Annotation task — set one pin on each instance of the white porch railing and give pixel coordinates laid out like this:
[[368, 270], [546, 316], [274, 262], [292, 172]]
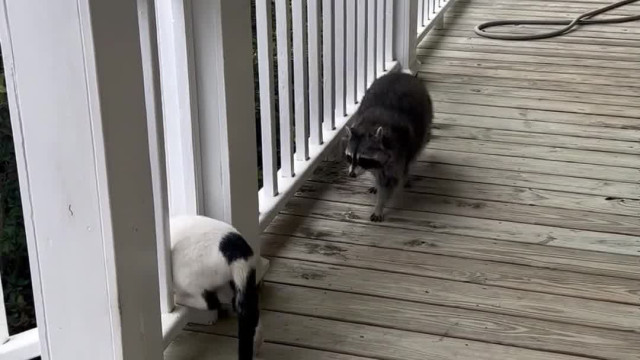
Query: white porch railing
[[194, 80]]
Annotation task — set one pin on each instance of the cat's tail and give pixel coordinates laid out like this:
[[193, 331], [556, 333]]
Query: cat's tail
[[247, 306]]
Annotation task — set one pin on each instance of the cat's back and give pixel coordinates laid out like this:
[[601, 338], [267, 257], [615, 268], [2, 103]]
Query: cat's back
[[200, 249], [194, 227], [196, 243]]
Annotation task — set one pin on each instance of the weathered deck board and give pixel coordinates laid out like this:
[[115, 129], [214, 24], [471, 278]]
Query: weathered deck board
[[525, 63], [537, 256], [476, 83], [423, 207], [550, 116], [529, 196], [520, 235], [452, 322], [529, 165], [578, 65], [549, 105], [451, 268], [382, 343], [198, 346], [554, 153], [482, 129], [470, 226]]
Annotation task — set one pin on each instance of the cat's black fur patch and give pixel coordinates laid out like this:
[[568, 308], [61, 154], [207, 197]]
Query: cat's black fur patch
[[211, 298], [233, 247], [248, 316], [232, 284]]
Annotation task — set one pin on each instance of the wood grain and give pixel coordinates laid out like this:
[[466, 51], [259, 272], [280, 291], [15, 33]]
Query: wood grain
[[511, 112], [479, 209], [550, 105], [542, 152], [580, 83], [451, 268], [543, 90], [526, 165], [380, 343], [451, 322], [460, 225], [198, 346], [521, 136], [624, 139], [389, 237], [456, 294], [566, 65], [499, 48], [530, 63], [608, 190], [333, 173]]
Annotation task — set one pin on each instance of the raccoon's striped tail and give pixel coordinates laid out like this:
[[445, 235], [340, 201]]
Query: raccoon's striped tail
[[248, 313]]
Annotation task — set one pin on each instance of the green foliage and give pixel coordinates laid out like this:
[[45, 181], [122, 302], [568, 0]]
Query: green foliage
[[14, 260]]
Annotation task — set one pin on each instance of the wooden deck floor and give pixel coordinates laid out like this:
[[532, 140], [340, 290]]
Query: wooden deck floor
[[520, 238]]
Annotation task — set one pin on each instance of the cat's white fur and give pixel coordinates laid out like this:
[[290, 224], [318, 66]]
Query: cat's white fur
[[199, 265]]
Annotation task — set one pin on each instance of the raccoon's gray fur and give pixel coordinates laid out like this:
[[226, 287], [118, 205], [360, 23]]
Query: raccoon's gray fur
[[390, 128]]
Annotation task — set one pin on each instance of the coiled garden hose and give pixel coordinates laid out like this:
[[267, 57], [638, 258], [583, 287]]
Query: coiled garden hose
[[570, 25]]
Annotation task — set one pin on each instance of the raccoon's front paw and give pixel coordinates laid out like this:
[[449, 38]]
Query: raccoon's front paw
[[373, 190], [376, 217]]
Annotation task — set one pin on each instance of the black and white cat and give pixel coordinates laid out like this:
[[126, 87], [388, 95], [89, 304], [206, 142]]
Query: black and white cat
[[214, 266]]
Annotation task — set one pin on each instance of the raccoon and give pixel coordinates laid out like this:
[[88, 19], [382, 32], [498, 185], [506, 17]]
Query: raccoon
[[390, 128]]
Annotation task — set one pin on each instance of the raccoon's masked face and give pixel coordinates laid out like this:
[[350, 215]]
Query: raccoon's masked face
[[365, 151]]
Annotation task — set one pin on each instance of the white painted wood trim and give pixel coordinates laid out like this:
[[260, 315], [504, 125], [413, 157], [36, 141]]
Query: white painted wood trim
[[300, 81], [351, 55], [223, 66], [328, 63], [389, 25], [173, 323], [405, 34], [361, 44], [436, 21], [284, 88], [85, 178], [267, 99], [340, 42], [155, 123], [23, 346], [178, 85], [315, 71], [371, 41], [380, 35]]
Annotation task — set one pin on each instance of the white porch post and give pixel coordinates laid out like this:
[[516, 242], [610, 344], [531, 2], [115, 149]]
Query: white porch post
[[405, 34], [77, 104], [226, 112]]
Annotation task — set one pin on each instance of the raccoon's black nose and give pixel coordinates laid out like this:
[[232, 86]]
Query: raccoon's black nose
[[352, 174]]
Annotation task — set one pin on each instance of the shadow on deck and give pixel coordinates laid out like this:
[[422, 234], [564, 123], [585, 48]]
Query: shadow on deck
[[520, 237]]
